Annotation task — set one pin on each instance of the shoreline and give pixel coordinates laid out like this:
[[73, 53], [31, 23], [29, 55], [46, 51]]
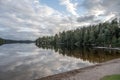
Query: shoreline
[[109, 48], [88, 73]]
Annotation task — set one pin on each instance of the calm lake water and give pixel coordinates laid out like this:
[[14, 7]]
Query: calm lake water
[[28, 62]]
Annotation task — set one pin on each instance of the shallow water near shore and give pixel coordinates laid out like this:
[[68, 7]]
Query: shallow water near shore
[[28, 62]]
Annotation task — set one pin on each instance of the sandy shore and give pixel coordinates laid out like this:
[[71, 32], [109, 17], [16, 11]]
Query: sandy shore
[[108, 48], [89, 73]]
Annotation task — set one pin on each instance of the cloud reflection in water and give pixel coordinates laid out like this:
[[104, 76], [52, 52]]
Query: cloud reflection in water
[[27, 62]]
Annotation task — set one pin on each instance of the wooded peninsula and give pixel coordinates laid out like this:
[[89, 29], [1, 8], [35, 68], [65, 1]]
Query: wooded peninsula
[[103, 34]]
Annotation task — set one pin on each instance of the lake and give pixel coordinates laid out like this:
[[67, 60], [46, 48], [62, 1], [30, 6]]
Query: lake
[[29, 62]]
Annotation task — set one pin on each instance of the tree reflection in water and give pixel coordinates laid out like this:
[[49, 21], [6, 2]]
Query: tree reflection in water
[[86, 53]]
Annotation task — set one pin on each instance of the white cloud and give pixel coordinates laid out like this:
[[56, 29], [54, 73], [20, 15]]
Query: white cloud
[[71, 7], [100, 10], [29, 19]]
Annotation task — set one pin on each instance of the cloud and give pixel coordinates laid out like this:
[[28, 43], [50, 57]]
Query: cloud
[[30, 19], [102, 7], [86, 18], [71, 7], [99, 11]]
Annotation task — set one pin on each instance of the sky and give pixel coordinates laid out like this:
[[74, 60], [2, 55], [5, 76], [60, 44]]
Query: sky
[[30, 19]]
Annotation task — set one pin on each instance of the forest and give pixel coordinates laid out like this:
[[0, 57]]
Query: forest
[[8, 41], [2, 41], [102, 34]]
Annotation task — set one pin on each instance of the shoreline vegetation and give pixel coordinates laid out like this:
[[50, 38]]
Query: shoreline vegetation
[[111, 77], [7, 41], [105, 34], [2, 41]]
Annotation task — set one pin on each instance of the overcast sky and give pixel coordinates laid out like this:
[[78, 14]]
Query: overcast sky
[[30, 19]]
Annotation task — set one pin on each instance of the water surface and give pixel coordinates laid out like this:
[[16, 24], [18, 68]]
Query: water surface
[[28, 62]]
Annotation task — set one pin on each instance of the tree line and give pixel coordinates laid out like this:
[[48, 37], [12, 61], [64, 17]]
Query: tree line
[[102, 34], [8, 41], [2, 41]]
